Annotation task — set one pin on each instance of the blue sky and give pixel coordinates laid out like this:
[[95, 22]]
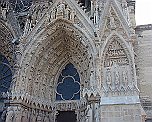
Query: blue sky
[[143, 12]]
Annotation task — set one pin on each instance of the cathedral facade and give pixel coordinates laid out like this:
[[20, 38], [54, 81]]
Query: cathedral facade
[[74, 61]]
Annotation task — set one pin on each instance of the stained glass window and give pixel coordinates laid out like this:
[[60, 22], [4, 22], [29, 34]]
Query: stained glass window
[[5, 74], [21, 5], [5, 80], [68, 87]]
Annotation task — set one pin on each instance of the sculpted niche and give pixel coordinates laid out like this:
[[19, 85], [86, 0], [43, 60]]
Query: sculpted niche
[[117, 67]]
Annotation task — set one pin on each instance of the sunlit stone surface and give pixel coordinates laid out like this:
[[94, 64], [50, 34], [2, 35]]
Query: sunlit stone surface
[[74, 61]]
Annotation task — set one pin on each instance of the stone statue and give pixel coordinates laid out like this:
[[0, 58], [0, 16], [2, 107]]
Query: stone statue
[[10, 115], [46, 119], [96, 113], [116, 74], [67, 13], [89, 114], [60, 9], [28, 25], [53, 13], [125, 77], [24, 116], [124, 8], [92, 78], [3, 116], [39, 118], [108, 77], [33, 117], [0, 11], [4, 12], [72, 15], [112, 22], [18, 113], [117, 78]]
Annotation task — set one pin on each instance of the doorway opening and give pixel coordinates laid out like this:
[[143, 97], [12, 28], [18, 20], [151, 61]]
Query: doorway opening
[[66, 116]]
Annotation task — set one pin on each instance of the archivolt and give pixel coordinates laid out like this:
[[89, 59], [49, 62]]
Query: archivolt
[[6, 36], [45, 57]]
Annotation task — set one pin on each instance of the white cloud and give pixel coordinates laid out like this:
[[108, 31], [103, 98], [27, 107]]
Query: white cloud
[[143, 12]]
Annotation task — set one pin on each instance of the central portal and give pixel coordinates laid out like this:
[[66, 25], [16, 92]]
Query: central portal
[[66, 116]]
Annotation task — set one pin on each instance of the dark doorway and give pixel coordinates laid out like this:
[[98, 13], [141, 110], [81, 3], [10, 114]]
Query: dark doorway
[[66, 116]]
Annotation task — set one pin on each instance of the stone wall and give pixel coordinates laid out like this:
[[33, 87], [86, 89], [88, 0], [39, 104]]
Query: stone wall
[[121, 113], [144, 65]]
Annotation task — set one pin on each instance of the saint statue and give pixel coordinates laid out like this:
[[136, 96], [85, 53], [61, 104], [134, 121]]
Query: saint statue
[[112, 22], [125, 77], [10, 115], [108, 78], [60, 9]]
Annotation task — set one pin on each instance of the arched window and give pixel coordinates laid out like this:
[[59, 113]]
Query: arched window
[[68, 86], [5, 74], [5, 81]]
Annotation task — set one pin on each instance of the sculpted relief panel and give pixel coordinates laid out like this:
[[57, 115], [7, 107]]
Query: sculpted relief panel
[[117, 69]]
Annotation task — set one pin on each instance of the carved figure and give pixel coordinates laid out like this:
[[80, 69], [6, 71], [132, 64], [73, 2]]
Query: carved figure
[[117, 77], [125, 77], [108, 77], [28, 25], [24, 116], [10, 115], [89, 114], [46, 119], [112, 22], [4, 12], [96, 113], [60, 9], [0, 11], [3, 116], [124, 8], [116, 74], [18, 114], [67, 13], [92, 78], [39, 118], [53, 13], [33, 116], [72, 16]]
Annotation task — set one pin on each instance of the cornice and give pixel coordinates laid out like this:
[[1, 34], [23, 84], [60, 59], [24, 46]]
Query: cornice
[[140, 28]]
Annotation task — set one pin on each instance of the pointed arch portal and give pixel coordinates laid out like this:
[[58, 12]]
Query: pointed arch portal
[[66, 116]]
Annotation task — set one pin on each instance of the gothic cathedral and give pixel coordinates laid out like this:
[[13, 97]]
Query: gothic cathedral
[[74, 61]]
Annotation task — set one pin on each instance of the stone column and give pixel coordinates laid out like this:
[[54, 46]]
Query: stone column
[[94, 105]]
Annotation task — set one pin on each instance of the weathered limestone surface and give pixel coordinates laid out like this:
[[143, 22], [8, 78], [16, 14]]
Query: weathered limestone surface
[[120, 113], [144, 63], [98, 38]]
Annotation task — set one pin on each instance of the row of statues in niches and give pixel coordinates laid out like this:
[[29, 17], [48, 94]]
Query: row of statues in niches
[[117, 77]]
